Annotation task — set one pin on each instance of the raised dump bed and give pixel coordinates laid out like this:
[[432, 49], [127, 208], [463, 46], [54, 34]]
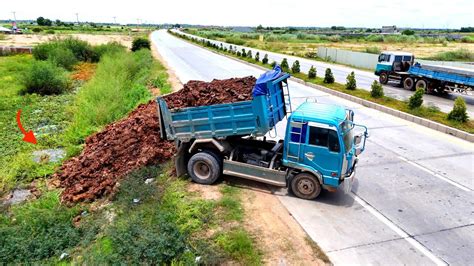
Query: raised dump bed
[[254, 117]]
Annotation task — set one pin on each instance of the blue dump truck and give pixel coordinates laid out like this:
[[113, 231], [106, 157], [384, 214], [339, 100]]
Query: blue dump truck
[[400, 67], [319, 150]]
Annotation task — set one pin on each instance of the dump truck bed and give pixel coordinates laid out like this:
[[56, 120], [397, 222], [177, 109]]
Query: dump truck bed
[[255, 117]]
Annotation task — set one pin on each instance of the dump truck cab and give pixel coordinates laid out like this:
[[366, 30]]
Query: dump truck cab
[[320, 140], [390, 63]]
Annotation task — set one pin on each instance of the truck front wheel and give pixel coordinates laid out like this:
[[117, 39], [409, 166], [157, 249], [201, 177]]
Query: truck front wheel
[[408, 83], [305, 186], [204, 168], [383, 78]]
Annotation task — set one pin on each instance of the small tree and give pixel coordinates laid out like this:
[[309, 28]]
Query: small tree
[[244, 54], [249, 54], [284, 65], [265, 59], [376, 90], [273, 64], [416, 100], [328, 77], [295, 68], [312, 72], [139, 43], [459, 112], [231, 47], [239, 53], [257, 57], [351, 81]]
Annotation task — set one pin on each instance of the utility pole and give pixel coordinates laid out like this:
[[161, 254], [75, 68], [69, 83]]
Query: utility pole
[[14, 27], [115, 20], [77, 18]]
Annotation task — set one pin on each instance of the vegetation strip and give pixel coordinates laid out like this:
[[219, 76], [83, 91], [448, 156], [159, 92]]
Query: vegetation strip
[[440, 119]]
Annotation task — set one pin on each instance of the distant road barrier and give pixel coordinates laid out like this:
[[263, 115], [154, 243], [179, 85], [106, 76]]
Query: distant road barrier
[[369, 61], [8, 50]]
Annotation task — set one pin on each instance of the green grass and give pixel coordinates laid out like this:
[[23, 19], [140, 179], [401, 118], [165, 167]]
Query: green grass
[[239, 245], [119, 85], [431, 113]]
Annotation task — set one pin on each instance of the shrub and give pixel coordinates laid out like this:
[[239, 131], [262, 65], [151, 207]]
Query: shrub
[[265, 59], [81, 49], [36, 30], [244, 54], [408, 32], [62, 57], [312, 73], [45, 78], [351, 81], [328, 76], [373, 50], [416, 100], [249, 54], [456, 55], [376, 90], [284, 64], [273, 64], [295, 68], [50, 32], [140, 43], [257, 57], [459, 112], [109, 48]]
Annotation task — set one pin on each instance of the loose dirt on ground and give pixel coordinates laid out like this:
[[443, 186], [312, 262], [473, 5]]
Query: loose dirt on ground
[[278, 235], [94, 39], [135, 141]]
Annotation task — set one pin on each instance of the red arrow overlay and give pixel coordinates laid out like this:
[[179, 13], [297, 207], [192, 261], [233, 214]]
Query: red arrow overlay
[[29, 136]]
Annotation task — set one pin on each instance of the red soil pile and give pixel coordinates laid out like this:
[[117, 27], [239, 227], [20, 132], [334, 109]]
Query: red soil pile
[[199, 93], [135, 141]]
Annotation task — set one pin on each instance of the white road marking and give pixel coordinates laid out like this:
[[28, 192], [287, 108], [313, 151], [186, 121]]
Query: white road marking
[[435, 174], [398, 230]]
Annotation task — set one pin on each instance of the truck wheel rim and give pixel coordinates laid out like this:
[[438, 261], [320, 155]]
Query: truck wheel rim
[[201, 170], [306, 187]]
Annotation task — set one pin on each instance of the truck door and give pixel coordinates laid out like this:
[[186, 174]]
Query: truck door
[[297, 141], [322, 151]]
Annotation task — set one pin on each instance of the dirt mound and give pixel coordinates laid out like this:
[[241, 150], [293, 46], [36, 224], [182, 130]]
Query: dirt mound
[[135, 141], [198, 93], [120, 148]]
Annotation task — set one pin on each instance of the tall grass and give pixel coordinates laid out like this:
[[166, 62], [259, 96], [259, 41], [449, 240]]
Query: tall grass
[[456, 55], [119, 85]]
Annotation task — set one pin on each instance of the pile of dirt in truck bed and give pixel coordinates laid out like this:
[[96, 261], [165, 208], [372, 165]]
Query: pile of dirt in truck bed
[[199, 93], [135, 141]]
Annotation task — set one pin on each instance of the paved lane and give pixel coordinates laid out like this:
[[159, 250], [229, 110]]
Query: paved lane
[[412, 202], [364, 78]]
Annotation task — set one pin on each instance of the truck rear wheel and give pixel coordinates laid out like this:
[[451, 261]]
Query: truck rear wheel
[[305, 186], [383, 78], [422, 84], [408, 83], [204, 168]]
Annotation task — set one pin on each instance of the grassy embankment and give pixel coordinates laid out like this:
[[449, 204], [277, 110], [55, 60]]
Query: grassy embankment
[[167, 225], [305, 43], [431, 113]]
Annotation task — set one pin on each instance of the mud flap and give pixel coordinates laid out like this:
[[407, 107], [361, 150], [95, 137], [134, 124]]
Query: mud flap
[[180, 158]]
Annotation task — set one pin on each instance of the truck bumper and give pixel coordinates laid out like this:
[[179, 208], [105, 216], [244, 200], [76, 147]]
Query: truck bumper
[[348, 181]]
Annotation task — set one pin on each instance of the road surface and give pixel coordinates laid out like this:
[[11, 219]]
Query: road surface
[[412, 202], [364, 78]]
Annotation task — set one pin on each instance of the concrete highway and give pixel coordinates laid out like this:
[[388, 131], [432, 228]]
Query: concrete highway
[[364, 78], [412, 202]]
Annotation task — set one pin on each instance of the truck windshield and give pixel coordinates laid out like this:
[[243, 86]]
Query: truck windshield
[[347, 130]]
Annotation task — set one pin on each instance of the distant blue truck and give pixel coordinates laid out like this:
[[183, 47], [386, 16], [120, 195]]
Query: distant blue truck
[[319, 150], [400, 67]]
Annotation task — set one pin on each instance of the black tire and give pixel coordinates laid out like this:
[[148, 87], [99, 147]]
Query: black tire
[[305, 186], [204, 168], [408, 83], [383, 78], [422, 84]]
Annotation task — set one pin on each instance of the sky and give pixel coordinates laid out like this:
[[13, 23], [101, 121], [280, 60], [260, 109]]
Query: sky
[[313, 13]]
